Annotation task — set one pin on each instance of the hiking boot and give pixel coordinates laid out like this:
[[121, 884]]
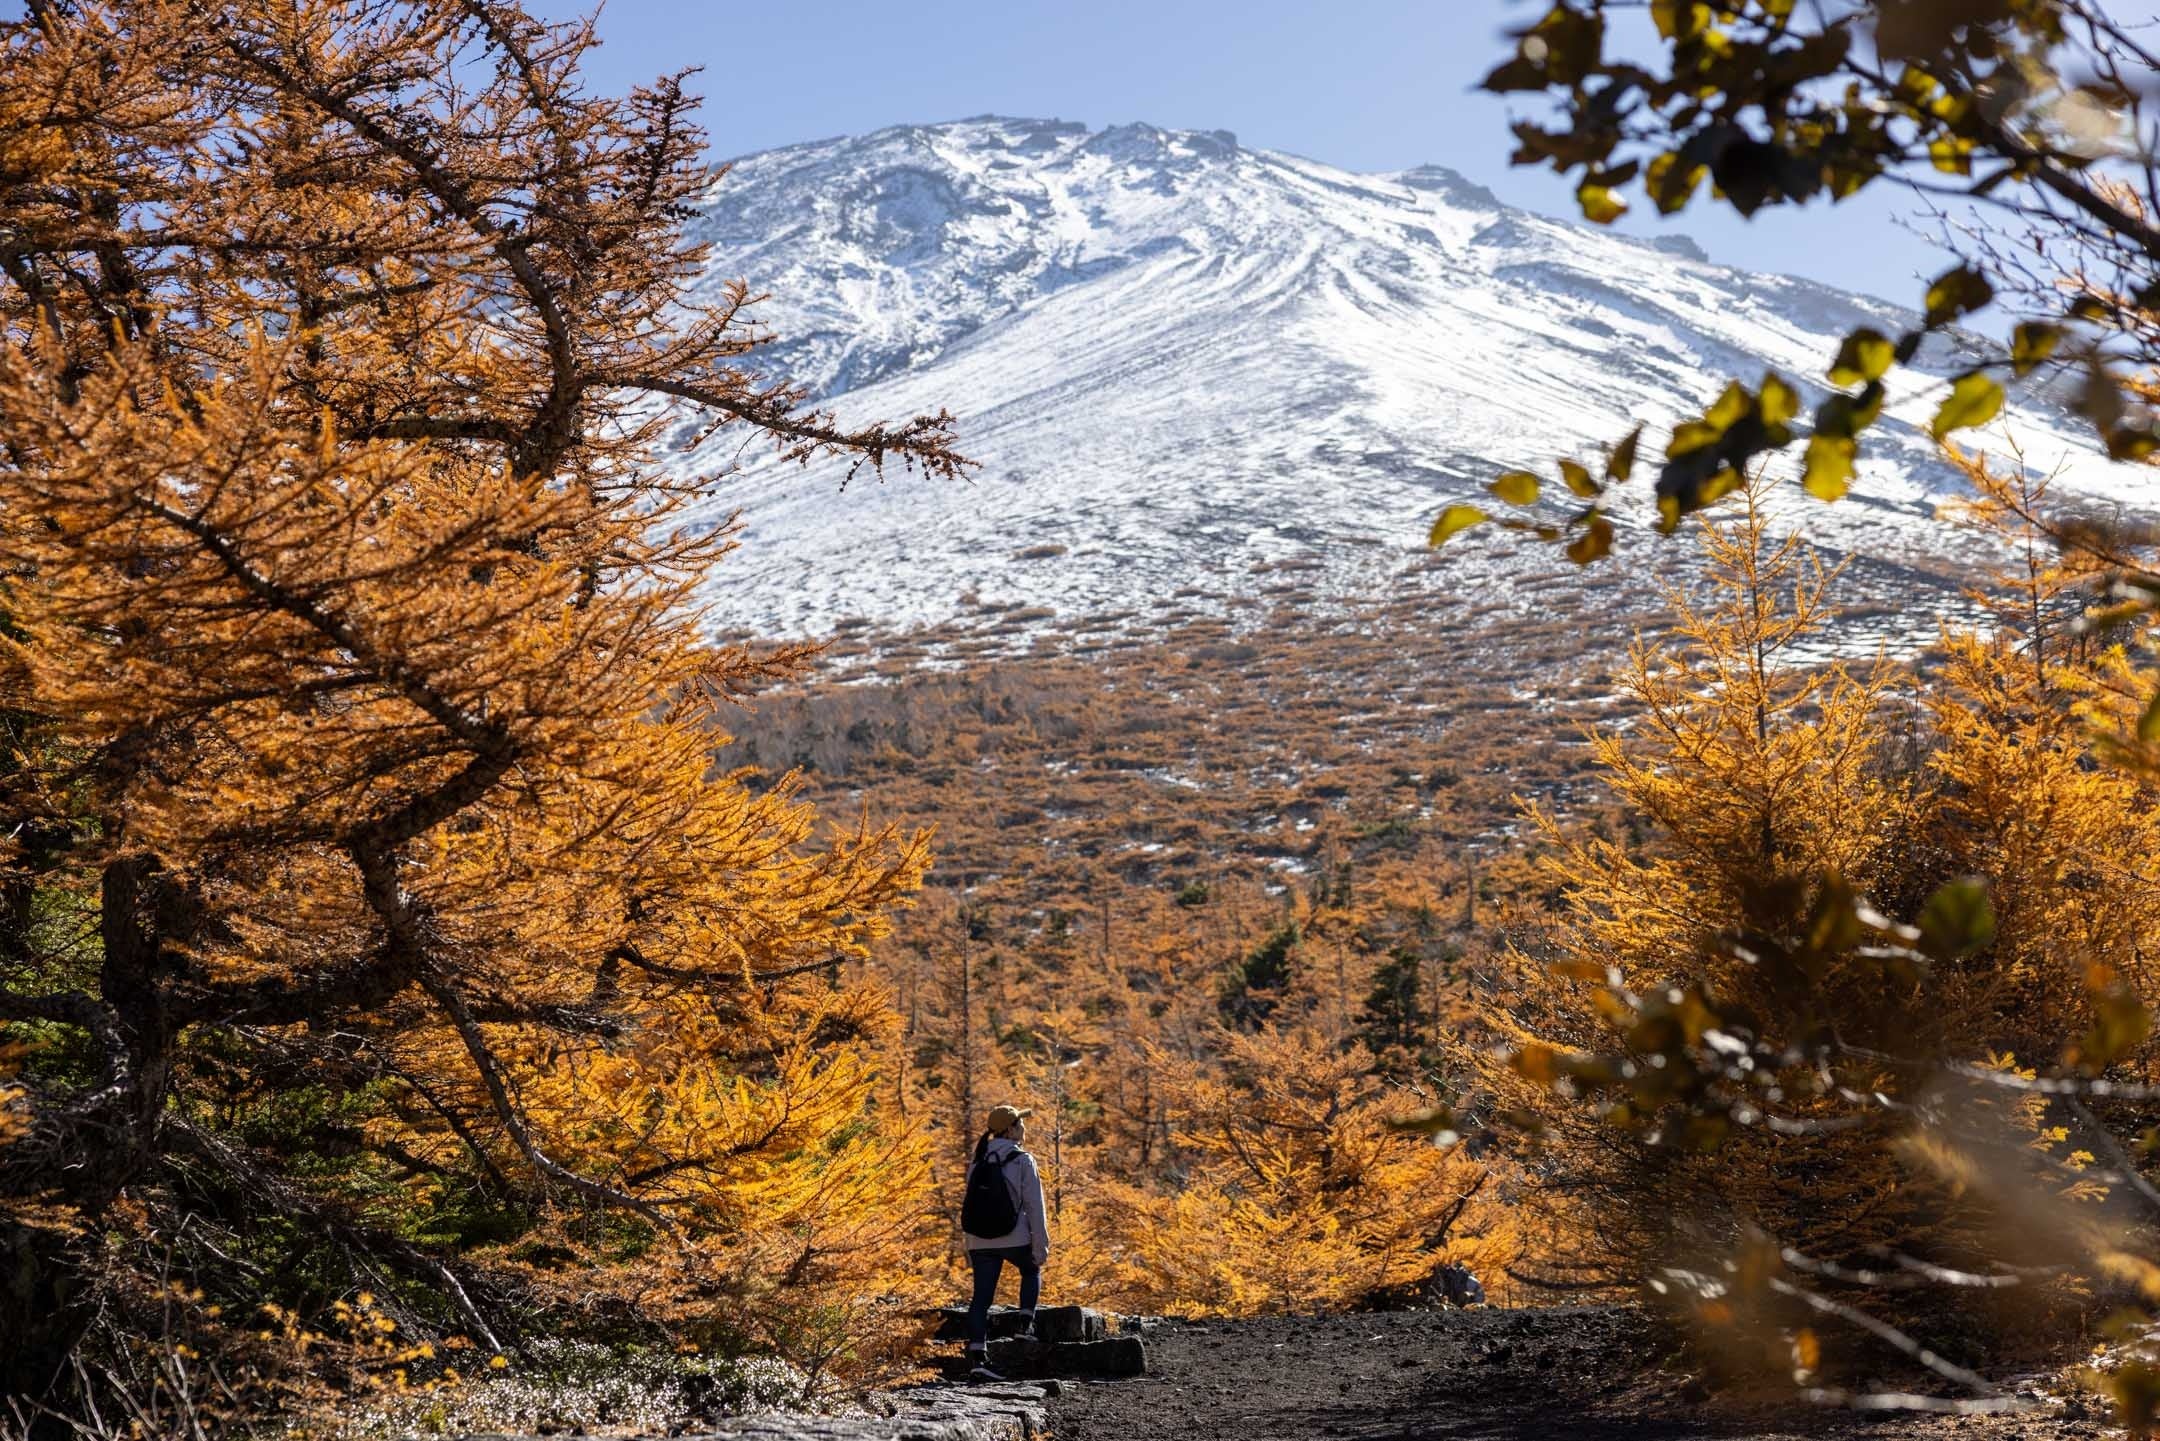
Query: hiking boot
[[984, 1371]]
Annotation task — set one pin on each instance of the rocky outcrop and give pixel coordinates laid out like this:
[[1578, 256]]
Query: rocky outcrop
[[1008, 1412]]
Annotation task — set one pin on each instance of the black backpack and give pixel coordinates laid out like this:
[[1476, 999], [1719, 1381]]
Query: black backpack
[[987, 1209]]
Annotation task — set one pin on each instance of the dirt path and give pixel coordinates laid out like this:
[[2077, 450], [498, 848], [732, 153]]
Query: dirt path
[[1583, 1373]]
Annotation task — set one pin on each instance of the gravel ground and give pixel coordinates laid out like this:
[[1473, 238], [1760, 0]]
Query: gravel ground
[[1569, 1372]]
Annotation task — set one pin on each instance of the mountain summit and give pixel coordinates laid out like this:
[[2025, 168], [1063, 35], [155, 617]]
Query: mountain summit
[[1183, 363]]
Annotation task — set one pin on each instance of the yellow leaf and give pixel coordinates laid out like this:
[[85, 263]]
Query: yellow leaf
[[1974, 399], [1952, 155], [1865, 355], [1779, 402], [1578, 480], [1691, 436], [1539, 1064], [1957, 292], [1454, 519], [1671, 182], [1601, 205], [1516, 487], [1829, 471], [1595, 543], [1730, 407]]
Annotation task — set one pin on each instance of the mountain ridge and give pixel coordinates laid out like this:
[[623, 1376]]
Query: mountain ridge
[[1183, 362]]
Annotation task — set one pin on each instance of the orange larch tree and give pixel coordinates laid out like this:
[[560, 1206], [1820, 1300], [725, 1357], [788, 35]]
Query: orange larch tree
[[363, 854], [1302, 1191], [1757, 1090]]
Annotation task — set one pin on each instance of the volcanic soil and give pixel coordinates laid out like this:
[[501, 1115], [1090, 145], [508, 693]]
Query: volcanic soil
[[1598, 1373]]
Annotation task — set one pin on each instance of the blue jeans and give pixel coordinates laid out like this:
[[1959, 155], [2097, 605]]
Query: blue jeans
[[988, 1264]]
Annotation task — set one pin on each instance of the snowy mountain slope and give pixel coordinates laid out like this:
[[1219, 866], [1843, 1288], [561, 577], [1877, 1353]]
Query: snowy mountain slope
[[1190, 364]]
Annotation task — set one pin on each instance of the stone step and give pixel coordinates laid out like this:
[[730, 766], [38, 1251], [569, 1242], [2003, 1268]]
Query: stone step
[[1112, 1356], [1057, 1325]]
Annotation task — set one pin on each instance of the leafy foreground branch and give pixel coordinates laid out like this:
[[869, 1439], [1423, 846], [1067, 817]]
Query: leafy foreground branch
[[1818, 1133], [2035, 116], [369, 917]]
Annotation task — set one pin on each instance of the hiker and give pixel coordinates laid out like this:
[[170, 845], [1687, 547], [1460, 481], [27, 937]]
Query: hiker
[[1002, 1213]]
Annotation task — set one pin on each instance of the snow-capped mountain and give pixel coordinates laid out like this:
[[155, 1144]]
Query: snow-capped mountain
[[1184, 364]]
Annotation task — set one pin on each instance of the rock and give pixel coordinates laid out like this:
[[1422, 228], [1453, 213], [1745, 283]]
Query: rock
[[1457, 1286], [1004, 1321], [1062, 1325], [1111, 1356], [1008, 1412]]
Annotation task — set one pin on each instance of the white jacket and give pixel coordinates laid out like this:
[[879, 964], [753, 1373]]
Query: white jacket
[[1032, 1230]]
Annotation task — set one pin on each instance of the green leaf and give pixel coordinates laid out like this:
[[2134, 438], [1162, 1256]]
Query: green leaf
[[1955, 293], [2031, 345], [1621, 463], [1577, 479], [1453, 520], [1865, 355], [1779, 402], [1595, 543], [1974, 399], [1516, 487], [1958, 919], [1601, 204], [1829, 472]]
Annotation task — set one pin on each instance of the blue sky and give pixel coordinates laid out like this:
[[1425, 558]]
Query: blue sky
[[1364, 84]]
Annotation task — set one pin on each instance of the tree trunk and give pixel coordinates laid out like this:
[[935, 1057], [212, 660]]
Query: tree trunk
[[43, 1309], [137, 906]]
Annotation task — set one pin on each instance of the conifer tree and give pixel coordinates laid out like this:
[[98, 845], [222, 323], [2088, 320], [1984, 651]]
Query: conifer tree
[[1396, 1023], [1742, 1064], [362, 855], [1301, 1193]]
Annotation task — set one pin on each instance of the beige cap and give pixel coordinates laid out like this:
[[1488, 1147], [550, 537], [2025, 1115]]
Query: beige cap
[[1004, 1118]]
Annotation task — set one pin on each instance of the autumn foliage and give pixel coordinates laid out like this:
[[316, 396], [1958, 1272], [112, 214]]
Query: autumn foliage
[[400, 961], [369, 897], [1749, 1079]]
